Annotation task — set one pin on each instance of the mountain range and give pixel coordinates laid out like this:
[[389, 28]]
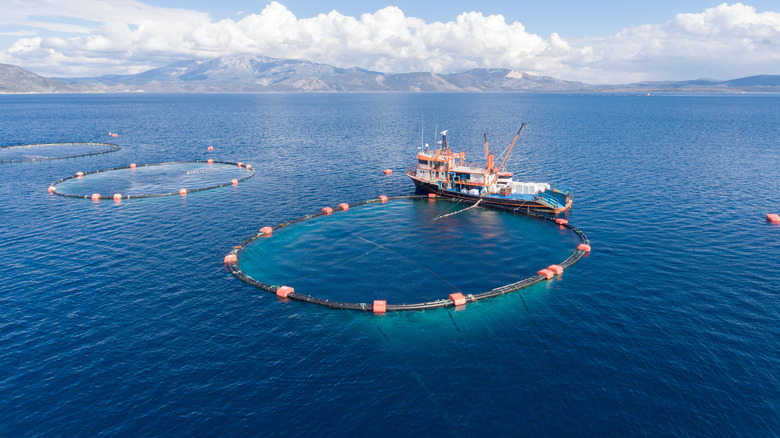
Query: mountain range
[[261, 74]]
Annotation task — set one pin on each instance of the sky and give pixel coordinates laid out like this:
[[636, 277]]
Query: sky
[[596, 42]]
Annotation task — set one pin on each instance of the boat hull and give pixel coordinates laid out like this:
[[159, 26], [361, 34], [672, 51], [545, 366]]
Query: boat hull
[[529, 205]]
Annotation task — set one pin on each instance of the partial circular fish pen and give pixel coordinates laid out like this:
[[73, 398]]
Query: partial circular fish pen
[[54, 151], [381, 306], [184, 177]]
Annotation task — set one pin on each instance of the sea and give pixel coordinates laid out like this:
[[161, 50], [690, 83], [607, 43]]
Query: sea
[[120, 319]]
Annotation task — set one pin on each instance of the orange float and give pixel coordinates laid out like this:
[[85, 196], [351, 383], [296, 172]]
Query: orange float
[[546, 273], [284, 291], [327, 210], [458, 299], [380, 306], [231, 258], [344, 206]]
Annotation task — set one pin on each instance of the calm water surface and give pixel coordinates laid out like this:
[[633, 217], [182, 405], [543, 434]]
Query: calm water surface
[[119, 318]]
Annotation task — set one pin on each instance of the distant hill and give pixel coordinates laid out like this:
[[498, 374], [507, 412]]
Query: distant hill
[[261, 74], [751, 84], [256, 73], [15, 79]]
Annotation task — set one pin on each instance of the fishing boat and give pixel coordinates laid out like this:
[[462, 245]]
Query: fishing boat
[[445, 173]]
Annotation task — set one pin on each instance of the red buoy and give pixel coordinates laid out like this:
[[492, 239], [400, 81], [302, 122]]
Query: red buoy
[[183, 192], [773, 217], [383, 199], [132, 165], [117, 196], [211, 161], [248, 167], [380, 306], [344, 206], [327, 210], [431, 195], [51, 189], [556, 269], [79, 174], [96, 196], [284, 291], [388, 171], [266, 231], [231, 258], [546, 273], [210, 148], [240, 164], [583, 247], [458, 299], [561, 221], [234, 181]]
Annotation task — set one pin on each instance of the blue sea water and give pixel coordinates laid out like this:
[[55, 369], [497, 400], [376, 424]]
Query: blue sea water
[[120, 319]]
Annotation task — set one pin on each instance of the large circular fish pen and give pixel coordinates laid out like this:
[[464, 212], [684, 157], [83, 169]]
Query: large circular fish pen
[[434, 247], [53, 151], [152, 180]]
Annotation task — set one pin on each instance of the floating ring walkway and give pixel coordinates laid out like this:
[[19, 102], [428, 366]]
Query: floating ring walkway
[[180, 191], [105, 148], [381, 306]]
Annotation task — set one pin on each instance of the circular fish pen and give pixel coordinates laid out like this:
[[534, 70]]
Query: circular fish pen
[[152, 180], [436, 247], [53, 151]]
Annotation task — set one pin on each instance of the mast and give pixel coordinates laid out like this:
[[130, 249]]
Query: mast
[[510, 148], [422, 131], [489, 166]]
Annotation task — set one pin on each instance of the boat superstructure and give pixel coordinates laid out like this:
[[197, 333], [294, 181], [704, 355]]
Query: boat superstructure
[[446, 173]]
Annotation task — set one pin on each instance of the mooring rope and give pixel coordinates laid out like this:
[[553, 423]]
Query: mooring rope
[[456, 212]]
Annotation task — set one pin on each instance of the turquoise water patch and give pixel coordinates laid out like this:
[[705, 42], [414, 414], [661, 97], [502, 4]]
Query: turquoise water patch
[[404, 251]]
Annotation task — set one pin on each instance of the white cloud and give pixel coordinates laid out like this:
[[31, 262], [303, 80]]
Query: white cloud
[[725, 41]]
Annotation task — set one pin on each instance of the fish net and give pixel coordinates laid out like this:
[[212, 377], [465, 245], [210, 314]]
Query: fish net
[[411, 253], [156, 179], [53, 151]]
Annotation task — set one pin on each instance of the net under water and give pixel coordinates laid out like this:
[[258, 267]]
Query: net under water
[[52, 151], [401, 252], [153, 179]]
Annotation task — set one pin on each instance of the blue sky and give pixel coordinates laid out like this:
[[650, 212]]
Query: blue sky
[[596, 41]]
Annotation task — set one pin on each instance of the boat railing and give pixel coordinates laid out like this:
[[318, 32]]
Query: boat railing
[[550, 199], [563, 189]]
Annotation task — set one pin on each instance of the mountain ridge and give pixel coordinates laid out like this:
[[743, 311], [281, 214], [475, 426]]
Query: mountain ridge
[[263, 74]]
